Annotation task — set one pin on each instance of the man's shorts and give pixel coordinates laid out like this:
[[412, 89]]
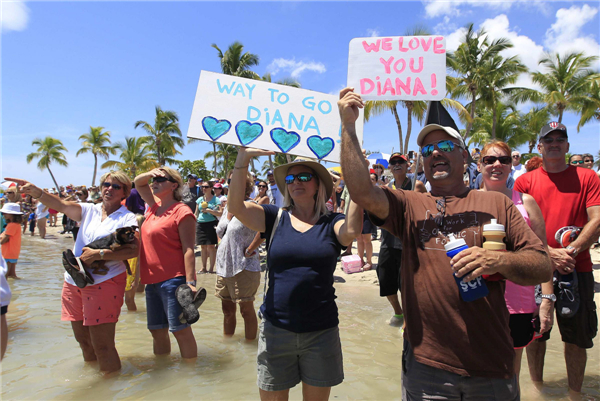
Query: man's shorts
[[583, 327], [162, 307], [94, 304], [3, 310], [285, 358], [423, 382], [240, 288], [12, 260], [388, 271]]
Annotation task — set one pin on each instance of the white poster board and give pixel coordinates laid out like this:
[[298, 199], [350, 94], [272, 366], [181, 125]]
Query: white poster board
[[247, 112], [398, 68]]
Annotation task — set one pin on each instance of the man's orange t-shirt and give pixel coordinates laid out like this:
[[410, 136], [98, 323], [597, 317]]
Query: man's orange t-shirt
[[12, 248]]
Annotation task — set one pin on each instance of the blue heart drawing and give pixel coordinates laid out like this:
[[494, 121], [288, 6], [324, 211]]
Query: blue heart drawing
[[285, 140], [321, 147], [215, 128], [248, 132]]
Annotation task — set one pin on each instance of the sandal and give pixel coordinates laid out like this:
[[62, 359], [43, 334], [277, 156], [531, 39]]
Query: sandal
[[75, 269], [190, 303], [367, 266]]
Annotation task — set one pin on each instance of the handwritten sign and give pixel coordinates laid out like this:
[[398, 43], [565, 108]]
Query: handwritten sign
[[268, 116], [398, 68]]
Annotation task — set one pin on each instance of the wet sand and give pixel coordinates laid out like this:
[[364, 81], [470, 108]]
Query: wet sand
[[44, 361]]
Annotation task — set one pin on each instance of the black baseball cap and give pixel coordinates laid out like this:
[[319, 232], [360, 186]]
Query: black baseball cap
[[194, 176], [551, 127]]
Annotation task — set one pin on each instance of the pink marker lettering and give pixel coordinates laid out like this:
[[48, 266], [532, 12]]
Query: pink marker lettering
[[386, 44], [438, 48], [412, 64], [434, 84], [418, 87], [396, 65], [371, 47], [426, 43], [400, 47], [388, 87], [401, 86], [363, 86], [387, 64], [413, 44]]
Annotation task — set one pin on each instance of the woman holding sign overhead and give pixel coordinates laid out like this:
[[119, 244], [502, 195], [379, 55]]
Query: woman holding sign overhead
[[299, 338]]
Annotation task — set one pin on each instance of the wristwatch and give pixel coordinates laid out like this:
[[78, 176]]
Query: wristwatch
[[551, 297], [192, 283], [575, 249], [101, 254]]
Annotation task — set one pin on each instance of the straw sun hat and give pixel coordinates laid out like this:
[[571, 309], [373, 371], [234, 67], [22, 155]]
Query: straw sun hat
[[11, 208], [280, 172]]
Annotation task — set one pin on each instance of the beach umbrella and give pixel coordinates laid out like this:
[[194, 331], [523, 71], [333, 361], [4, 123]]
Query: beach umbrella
[[7, 184], [379, 158]]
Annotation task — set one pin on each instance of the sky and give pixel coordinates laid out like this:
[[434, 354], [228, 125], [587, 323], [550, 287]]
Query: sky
[[66, 66]]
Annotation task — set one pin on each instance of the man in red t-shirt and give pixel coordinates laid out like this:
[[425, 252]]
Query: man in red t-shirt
[[567, 196]]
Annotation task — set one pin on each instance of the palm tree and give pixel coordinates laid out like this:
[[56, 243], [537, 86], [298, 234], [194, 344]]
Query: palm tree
[[509, 126], [49, 150], [285, 81], [226, 153], [235, 62], [163, 136], [498, 73], [590, 107], [278, 160], [566, 83], [468, 63], [533, 122], [378, 107], [98, 143], [136, 157]]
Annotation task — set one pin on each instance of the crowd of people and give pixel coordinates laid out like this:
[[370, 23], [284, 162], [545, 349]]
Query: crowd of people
[[467, 316]]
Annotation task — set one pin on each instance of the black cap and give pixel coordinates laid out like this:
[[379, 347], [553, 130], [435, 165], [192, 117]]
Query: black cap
[[551, 127], [194, 176]]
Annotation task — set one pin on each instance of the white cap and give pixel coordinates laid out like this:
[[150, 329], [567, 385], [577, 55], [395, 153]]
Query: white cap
[[454, 243], [493, 226], [11, 208]]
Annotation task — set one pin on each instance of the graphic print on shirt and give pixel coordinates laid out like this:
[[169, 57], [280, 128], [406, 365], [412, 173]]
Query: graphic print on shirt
[[436, 225]]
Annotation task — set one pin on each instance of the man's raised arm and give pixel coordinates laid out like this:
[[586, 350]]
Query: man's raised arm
[[354, 166]]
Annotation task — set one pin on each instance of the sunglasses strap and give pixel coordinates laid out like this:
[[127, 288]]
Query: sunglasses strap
[[277, 220]]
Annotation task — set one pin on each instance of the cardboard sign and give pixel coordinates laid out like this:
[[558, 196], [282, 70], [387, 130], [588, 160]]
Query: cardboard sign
[[398, 68], [268, 116]]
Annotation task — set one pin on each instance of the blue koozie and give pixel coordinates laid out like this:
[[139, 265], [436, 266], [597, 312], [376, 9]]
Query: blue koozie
[[474, 289]]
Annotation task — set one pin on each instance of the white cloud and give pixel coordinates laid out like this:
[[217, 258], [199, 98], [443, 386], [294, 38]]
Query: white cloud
[[445, 27], [373, 32], [15, 16], [295, 68], [453, 8], [565, 34], [453, 40]]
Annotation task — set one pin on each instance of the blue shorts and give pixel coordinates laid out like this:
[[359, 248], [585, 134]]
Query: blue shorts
[[162, 308], [285, 358], [11, 260]]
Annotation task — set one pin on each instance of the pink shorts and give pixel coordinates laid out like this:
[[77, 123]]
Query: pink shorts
[[95, 304]]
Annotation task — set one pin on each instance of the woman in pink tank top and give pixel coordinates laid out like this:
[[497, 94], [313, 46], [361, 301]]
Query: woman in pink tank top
[[495, 168]]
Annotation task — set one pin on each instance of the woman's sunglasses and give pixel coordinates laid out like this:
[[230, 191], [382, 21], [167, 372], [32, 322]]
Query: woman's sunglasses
[[162, 179], [205, 186], [114, 186], [261, 186], [488, 160], [446, 146], [302, 177], [577, 162]]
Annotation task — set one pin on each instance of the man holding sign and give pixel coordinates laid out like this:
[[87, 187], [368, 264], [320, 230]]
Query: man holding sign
[[454, 347]]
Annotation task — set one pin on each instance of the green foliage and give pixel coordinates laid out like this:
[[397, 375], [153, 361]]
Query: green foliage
[[164, 136], [235, 62], [136, 157], [50, 150], [197, 167], [98, 143]]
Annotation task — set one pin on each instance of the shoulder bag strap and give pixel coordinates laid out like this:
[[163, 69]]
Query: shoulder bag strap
[[277, 219]]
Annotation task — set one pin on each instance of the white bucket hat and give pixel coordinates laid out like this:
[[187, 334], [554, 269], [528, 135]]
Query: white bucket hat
[[11, 208]]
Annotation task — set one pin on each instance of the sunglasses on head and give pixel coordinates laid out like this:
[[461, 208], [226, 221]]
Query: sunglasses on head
[[301, 177], [445, 146], [577, 162], [560, 140], [162, 179], [114, 186], [487, 160], [397, 161]]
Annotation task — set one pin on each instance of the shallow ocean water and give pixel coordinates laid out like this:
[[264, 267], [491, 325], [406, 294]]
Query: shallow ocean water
[[44, 361]]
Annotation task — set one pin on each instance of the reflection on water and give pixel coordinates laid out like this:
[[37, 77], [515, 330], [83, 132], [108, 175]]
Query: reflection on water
[[43, 360]]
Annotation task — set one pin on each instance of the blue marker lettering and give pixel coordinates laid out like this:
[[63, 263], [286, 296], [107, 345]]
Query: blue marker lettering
[[238, 89], [296, 123], [225, 87], [250, 89], [312, 124], [277, 118], [249, 114]]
